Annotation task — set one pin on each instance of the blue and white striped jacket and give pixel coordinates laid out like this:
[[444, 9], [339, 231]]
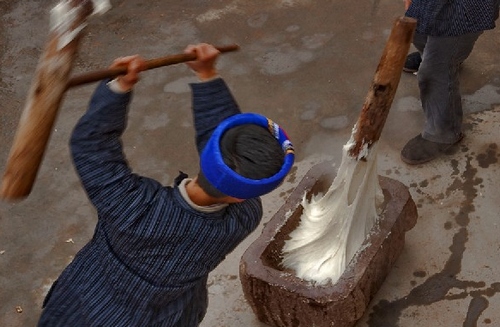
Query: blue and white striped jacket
[[453, 17], [148, 261]]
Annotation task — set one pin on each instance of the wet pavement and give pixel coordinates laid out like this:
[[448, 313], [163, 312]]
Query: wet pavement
[[308, 66]]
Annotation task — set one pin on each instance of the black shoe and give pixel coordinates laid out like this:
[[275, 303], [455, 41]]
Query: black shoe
[[419, 150], [412, 63]]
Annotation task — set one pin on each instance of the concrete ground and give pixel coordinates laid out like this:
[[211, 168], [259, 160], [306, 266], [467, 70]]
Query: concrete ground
[[307, 65]]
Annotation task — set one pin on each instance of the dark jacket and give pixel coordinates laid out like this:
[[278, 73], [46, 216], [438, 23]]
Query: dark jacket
[[148, 261], [453, 17]]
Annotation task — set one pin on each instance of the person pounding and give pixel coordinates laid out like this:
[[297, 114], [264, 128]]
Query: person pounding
[[153, 247]]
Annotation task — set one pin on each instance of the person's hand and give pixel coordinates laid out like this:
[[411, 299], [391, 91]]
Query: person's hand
[[407, 4], [206, 56], [135, 64]]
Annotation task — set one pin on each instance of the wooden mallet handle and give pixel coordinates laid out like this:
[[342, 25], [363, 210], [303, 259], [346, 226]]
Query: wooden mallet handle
[[150, 64], [379, 99]]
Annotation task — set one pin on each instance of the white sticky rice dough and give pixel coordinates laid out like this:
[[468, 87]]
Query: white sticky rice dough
[[333, 226]]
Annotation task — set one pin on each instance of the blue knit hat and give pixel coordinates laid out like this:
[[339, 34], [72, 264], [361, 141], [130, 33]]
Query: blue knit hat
[[229, 182]]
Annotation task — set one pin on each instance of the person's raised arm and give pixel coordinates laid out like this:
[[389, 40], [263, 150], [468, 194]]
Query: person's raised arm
[[96, 145], [212, 100]]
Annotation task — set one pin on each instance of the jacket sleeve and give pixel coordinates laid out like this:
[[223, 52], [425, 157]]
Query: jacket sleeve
[[212, 103], [97, 153]]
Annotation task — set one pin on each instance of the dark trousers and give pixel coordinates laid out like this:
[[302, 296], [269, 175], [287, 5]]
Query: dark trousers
[[438, 80]]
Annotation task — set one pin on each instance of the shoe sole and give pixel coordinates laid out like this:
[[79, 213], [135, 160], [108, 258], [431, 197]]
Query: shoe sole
[[415, 162]]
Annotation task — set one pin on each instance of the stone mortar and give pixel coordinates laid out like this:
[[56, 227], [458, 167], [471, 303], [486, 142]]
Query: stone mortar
[[279, 298]]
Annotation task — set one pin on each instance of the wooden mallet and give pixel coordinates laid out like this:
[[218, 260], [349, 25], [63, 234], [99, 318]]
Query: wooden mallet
[[51, 80]]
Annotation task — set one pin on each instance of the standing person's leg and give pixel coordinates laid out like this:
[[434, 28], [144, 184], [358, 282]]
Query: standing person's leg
[[419, 41], [439, 85]]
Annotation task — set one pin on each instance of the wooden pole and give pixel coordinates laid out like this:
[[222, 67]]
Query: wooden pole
[[385, 83], [98, 75]]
